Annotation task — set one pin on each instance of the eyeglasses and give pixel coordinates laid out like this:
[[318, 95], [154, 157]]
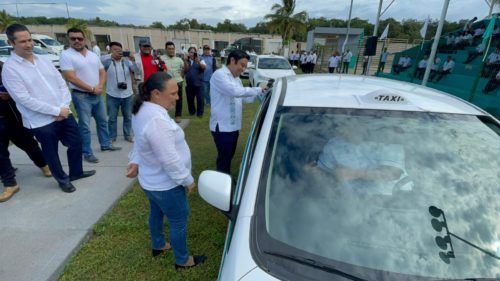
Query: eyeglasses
[[77, 39]]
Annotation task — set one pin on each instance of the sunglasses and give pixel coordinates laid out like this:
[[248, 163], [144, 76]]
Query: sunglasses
[[146, 46], [77, 39]]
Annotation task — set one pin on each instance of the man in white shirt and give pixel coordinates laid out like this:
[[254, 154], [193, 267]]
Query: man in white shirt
[[43, 98], [119, 76], [222, 56], [383, 60], [422, 65], [492, 63], [477, 52], [346, 59], [303, 62], [448, 66], [86, 74], [333, 62], [95, 49], [227, 94]]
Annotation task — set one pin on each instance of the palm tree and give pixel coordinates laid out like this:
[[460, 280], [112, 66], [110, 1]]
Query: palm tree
[[5, 21], [76, 23], [285, 22]]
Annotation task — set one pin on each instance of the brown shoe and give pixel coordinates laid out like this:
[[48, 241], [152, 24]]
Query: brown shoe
[[8, 192], [46, 172], [178, 119]]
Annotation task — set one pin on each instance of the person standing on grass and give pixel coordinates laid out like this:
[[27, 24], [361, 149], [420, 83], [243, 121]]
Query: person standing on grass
[[175, 67], [43, 99], [194, 82], [227, 95], [120, 73], [161, 159], [211, 67], [86, 75]]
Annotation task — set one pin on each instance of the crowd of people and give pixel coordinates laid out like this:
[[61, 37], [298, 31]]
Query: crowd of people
[[145, 87]]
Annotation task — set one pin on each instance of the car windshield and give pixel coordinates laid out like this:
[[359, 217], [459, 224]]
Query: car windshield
[[5, 51], [39, 51], [371, 188], [274, 63], [50, 42]]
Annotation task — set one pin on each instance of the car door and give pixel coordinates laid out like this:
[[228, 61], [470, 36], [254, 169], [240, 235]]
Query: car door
[[246, 162]]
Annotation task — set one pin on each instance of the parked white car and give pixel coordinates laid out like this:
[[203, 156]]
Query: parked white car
[[268, 67], [251, 63], [6, 51], [350, 178], [48, 43]]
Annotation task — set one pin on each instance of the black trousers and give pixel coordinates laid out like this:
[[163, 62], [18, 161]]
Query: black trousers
[[419, 73], [226, 147], [440, 74], [65, 131], [178, 103], [192, 93], [13, 130], [491, 85], [345, 67]]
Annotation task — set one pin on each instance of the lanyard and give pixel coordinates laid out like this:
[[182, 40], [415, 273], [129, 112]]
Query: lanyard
[[116, 72]]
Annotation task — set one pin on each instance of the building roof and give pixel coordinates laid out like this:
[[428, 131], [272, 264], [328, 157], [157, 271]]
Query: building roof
[[363, 92]]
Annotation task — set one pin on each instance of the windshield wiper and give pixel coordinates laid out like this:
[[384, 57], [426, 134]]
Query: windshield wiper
[[315, 264]]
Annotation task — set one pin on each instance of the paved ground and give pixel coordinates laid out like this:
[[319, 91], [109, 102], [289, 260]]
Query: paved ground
[[41, 227]]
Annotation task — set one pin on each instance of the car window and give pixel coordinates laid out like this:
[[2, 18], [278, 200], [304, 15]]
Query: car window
[[5, 51], [361, 187], [50, 42], [274, 63], [39, 51], [3, 43]]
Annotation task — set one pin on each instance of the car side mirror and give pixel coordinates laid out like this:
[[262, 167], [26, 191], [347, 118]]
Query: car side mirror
[[215, 188]]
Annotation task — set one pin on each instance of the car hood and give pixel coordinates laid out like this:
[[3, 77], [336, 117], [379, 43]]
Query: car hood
[[275, 73]]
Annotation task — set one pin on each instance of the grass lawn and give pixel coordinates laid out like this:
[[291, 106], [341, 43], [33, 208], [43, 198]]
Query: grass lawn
[[119, 248]]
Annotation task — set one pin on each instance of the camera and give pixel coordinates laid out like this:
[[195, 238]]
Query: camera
[[126, 54], [122, 85]]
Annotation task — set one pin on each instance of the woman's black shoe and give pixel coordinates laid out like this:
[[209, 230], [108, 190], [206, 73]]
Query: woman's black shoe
[[197, 261]]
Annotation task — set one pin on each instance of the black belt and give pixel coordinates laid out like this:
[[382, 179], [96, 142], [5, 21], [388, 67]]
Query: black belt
[[83, 92]]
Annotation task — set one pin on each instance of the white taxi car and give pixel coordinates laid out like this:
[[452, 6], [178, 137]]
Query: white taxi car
[[361, 178], [266, 67]]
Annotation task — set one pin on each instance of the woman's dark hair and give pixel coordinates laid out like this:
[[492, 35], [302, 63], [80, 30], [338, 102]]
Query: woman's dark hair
[[237, 55], [156, 81], [194, 48]]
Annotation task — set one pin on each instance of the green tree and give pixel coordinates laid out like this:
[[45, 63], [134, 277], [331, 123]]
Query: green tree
[[5, 20], [80, 24], [157, 24], [283, 20], [228, 26]]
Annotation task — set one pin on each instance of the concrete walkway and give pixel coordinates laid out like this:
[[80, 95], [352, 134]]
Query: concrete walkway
[[41, 227]]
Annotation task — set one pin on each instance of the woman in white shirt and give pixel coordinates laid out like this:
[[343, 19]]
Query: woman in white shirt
[[162, 161]]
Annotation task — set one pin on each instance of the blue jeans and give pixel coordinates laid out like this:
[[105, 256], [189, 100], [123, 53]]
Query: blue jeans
[[88, 105], [173, 204], [205, 89], [114, 104]]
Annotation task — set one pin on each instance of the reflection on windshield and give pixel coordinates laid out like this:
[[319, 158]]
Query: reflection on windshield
[[50, 42], [274, 63], [355, 186]]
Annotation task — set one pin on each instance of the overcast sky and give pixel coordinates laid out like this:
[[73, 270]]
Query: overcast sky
[[249, 12]]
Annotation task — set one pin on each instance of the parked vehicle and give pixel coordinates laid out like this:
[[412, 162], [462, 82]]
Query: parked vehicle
[[251, 62], [6, 51], [361, 178], [48, 43], [268, 67]]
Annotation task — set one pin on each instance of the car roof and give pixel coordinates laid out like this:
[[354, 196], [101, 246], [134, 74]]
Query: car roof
[[271, 56], [364, 92]]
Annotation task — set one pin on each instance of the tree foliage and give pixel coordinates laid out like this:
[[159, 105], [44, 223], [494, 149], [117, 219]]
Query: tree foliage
[[285, 22], [282, 20], [5, 20]]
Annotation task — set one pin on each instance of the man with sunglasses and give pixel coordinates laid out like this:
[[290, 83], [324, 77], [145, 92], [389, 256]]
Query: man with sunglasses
[[43, 99], [147, 63], [86, 74]]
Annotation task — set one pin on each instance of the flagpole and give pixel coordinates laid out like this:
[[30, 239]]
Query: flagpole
[[375, 31], [436, 42]]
